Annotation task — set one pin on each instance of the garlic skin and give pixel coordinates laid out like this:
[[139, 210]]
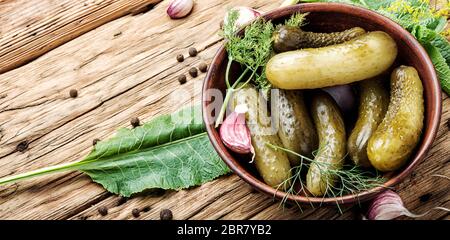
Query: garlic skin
[[246, 16], [387, 206], [235, 133], [344, 97], [180, 8]]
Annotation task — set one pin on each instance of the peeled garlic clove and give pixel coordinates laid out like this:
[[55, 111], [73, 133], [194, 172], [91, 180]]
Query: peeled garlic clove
[[180, 8], [235, 133], [246, 16]]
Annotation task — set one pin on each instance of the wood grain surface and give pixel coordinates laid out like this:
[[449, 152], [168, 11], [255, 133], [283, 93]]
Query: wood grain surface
[[123, 65], [31, 28]]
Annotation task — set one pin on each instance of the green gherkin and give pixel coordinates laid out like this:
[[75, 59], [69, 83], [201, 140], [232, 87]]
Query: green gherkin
[[287, 38]]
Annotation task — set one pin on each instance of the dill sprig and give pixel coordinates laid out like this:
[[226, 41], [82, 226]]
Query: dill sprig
[[349, 179], [252, 51], [296, 20]]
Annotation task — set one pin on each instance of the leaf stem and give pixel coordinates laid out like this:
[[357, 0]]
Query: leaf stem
[[78, 165], [230, 90], [227, 73], [248, 80], [40, 172]]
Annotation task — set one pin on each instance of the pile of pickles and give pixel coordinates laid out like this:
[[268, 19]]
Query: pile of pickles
[[309, 121]]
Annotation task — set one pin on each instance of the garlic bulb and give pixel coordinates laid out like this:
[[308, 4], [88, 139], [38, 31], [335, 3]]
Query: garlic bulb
[[180, 8], [246, 16], [235, 133]]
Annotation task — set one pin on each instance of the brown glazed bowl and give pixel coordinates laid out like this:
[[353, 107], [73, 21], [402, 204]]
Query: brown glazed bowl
[[326, 17]]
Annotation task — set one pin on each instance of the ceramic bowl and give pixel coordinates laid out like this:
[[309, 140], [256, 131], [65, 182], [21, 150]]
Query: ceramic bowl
[[327, 17]]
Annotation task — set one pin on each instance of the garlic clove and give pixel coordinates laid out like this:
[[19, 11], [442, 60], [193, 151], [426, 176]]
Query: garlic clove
[[235, 133], [387, 206], [180, 8], [246, 16]]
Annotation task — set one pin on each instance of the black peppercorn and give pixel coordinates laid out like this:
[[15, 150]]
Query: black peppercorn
[[425, 197], [180, 58], [193, 72], [95, 141], [103, 211], [192, 52], [73, 93], [146, 209], [166, 214], [135, 122], [22, 146], [122, 200], [203, 67], [136, 213], [182, 79]]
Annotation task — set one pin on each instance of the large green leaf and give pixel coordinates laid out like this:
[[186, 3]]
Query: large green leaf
[[169, 152], [441, 66], [443, 46], [438, 48]]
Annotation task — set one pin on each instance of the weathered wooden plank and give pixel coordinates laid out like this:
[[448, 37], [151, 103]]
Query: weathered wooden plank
[[183, 203], [133, 74], [29, 29], [127, 68]]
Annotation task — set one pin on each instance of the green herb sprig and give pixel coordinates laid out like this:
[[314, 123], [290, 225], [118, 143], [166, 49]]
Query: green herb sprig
[[296, 20], [347, 180], [252, 51]]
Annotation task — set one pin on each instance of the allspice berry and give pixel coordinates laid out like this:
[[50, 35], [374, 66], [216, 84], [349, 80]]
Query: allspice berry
[[203, 67], [193, 72], [22, 146], [165, 214], [103, 211], [135, 122], [73, 93], [192, 52], [180, 58], [182, 79], [136, 213]]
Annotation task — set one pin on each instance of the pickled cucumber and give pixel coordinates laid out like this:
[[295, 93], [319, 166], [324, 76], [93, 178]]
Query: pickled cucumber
[[398, 134], [373, 104], [273, 165], [364, 57], [287, 38], [296, 130], [331, 131]]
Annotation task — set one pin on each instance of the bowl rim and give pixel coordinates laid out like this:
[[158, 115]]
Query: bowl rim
[[420, 154]]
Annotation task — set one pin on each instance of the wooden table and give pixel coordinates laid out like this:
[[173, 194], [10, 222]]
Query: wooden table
[[120, 55]]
